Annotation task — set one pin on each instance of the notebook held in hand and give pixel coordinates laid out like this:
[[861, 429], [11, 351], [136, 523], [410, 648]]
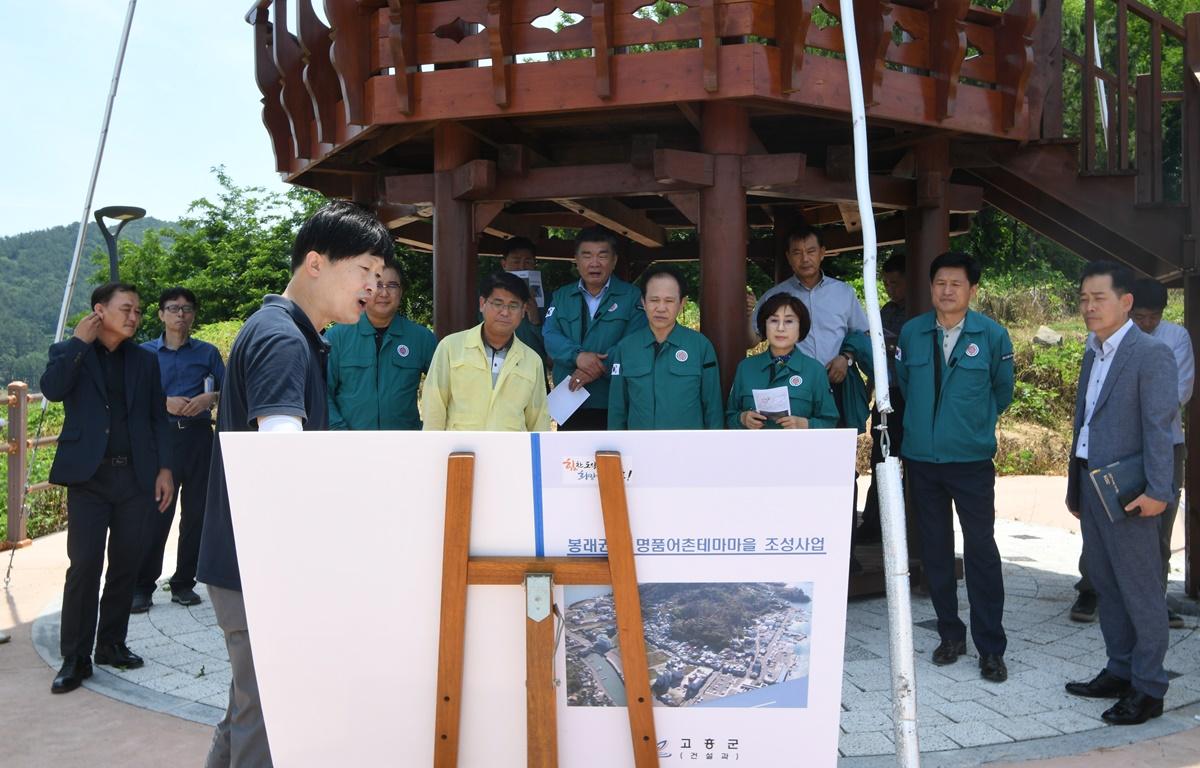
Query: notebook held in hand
[[1118, 484]]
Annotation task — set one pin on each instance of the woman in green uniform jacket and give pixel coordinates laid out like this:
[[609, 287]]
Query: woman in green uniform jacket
[[664, 376], [783, 322]]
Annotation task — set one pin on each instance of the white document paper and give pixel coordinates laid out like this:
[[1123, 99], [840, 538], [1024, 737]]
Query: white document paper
[[773, 403], [563, 402], [533, 278]]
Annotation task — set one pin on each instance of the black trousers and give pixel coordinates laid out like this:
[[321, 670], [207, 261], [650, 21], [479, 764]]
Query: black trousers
[[192, 450], [971, 486], [111, 505], [869, 529], [586, 420]]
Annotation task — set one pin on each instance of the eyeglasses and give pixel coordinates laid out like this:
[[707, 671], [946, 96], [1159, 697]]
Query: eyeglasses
[[179, 309], [501, 306], [392, 287]]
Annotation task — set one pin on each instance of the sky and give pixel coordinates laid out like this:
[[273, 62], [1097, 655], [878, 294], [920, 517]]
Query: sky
[[187, 101]]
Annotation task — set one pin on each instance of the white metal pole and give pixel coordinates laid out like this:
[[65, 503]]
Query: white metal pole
[[73, 274], [1100, 92], [891, 497]]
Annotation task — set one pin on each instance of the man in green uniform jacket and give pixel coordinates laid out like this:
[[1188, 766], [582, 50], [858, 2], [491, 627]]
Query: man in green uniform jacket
[[955, 369], [664, 376], [585, 321], [517, 256], [375, 365]]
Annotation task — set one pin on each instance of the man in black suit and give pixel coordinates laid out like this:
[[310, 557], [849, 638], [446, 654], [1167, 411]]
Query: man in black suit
[[114, 458]]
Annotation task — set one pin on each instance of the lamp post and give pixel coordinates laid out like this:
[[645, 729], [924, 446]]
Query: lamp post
[[124, 214]]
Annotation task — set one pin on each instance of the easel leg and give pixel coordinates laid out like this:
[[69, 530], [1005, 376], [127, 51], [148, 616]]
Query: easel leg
[[460, 483], [630, 629], [540, 694]]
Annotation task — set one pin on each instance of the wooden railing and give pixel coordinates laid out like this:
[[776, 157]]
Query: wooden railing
[[1123, 62], [17, 452], [378, 60]]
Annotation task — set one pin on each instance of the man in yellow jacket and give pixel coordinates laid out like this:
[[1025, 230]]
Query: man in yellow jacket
[[485, 378]]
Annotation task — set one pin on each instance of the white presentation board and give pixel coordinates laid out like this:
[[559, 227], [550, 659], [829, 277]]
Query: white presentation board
[[742, 545]]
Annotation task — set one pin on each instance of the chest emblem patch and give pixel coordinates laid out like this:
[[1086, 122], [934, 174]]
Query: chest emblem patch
[[972, 349], [613, 308], [402, 350], [795, 381], [681, 355], [550, 312]]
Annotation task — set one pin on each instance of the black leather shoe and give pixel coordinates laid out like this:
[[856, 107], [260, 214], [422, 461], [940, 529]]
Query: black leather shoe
[[992, 668], [74, 671], [1084, 608], [1134, 708], [948, 652], [1102, 686], [141, 603], [1174, 620], [185, 597], [117, 655]]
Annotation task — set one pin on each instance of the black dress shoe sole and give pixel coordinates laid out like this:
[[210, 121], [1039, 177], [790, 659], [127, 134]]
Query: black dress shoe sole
[[186, 601], [1138, 720], [119, 664], [1083, 618], [994, 676], [74, 683]]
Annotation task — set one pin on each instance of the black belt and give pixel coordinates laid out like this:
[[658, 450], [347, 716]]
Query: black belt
[[115, 461], [1083, 464]]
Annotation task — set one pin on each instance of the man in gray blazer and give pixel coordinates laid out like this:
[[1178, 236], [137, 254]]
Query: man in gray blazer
[[1124, 406]]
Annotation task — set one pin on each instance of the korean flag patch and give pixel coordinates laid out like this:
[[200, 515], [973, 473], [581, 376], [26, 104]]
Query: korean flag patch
[[899, 354], [795, 381], [616, 369], [550, 311], [681, 355], [402, 350], [972, 349]]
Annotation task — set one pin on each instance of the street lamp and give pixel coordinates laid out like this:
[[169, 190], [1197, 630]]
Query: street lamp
[[123, 214]]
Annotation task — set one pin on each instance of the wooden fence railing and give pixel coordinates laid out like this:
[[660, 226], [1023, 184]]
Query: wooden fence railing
[[17, 453]]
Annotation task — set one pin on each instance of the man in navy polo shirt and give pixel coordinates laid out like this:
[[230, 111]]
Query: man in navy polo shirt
[[192, 373], [276, 382]]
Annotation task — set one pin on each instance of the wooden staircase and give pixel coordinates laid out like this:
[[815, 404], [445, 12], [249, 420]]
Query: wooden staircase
[[1102, 193]]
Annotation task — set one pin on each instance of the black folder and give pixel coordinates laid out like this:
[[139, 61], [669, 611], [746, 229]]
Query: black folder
[[1118, 484]]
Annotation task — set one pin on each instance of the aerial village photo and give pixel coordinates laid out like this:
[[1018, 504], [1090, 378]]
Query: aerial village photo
[[709, 644]]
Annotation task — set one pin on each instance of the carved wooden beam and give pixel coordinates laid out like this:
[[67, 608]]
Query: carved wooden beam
[[602, 45], [1014, 58], [319, 76], [293, 96], [267, 77], [947, 47], [474, 180], [349, 56], [792, 20], [764, 171], [873, 21], [619, 218], [499, 28], [402, 38]]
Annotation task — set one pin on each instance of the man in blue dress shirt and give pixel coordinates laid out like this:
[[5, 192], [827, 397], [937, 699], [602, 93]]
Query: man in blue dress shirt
[[192, 373]]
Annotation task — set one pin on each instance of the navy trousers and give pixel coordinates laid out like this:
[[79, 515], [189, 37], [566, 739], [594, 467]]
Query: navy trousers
[[1125, 567], [192, 450], [111, 505], [971, 486]]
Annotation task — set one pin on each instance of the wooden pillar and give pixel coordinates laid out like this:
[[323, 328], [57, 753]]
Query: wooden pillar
[[17, 455], [927, 227], [725, 133], [1191, 477], [455, 256]]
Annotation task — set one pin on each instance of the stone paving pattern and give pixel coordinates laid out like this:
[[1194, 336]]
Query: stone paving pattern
[[187, 671]]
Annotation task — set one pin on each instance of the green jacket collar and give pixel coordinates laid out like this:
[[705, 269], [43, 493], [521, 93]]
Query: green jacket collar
[[395, 328], [972, 323]]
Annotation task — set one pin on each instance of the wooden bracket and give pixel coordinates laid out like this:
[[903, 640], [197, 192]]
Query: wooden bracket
[[873, 20], [296, 101], [792, 20], [687, 203], [677, 165], [474, 179], [319, 77], [602, 45], [350, 60], [484, 214], [1014, 58], [499, 28], [947, 47], [763, 171], [269, 85], [402, 38]]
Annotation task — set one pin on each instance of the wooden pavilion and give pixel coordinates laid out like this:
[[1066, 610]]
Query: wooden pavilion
[[731, 120]]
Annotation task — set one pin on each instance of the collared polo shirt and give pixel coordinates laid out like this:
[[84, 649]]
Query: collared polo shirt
[[183, 370], [833, 308], [1176, 337]]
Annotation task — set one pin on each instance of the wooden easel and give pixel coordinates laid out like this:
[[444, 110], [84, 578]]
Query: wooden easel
[[459, 570]]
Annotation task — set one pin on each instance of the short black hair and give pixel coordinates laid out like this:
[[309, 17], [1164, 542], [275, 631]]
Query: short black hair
[[178, 292], [395, 266], [1149, 294], [516, 244], [957, 259], [1122, 276], [505, 281], [596, 235], [341, 230], [104, 293], [773, 304], [659, 270], [802, 232], [895, 263]]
